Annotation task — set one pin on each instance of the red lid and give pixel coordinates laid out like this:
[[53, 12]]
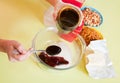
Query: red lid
[[74, 2]]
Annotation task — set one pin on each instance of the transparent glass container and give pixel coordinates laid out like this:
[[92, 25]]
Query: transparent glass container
[[71, 51]]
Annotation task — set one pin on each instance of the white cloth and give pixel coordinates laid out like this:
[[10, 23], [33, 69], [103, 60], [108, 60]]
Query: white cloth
[[99, 64]]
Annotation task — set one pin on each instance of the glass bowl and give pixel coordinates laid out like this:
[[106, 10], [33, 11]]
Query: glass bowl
[[71, 52]]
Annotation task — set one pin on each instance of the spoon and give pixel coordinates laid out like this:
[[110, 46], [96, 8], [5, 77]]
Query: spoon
[[50, 50]]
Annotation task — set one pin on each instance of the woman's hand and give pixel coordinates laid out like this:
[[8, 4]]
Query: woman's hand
[[14, 50]]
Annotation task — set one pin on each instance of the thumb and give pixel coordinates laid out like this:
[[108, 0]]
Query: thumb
[[21, 49], [22, 57]]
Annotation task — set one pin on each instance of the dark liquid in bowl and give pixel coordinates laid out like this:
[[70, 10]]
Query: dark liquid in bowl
[[52, 60], [68, 18]]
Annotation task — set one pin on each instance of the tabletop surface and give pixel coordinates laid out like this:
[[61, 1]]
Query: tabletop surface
[[21, 19]]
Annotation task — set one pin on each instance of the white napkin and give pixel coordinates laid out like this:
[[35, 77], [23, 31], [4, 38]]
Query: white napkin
[[99, 64]]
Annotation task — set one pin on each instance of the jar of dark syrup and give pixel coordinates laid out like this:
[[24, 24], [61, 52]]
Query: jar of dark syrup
[[69, 22], [68, 18]]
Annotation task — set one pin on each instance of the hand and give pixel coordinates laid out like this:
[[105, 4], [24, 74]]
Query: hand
[[14, 50]]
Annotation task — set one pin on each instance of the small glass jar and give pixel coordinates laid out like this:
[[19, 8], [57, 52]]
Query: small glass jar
[[69, 19]]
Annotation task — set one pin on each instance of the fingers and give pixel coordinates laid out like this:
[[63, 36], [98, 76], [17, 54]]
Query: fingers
[[16, 56], [24, 56], [19, 47], [16, 51]]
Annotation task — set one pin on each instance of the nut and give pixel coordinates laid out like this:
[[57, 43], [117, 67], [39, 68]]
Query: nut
[[91, 18]]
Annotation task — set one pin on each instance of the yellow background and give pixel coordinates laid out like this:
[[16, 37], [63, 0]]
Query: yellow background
[[21, 20]]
